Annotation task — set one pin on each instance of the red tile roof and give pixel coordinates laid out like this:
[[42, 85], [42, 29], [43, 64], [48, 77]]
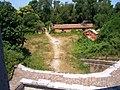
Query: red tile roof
[[74, 26], [92, 30]]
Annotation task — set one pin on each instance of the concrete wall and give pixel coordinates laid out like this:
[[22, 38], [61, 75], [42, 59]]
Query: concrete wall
[[97, 67], [3, 74], [66, 30]]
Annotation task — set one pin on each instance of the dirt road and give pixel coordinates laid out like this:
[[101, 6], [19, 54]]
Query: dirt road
[[55, 64]]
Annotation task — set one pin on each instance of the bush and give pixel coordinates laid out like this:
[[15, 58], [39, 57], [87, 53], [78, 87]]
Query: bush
[[13, 56], [52, 31], [73, 30], [107, 44]]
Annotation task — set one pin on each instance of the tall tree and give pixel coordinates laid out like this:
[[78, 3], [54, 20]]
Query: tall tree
[[117, 7], [86, 9], [42, 8], [104, 12], [34, 5], [25, 9], [11, 29]]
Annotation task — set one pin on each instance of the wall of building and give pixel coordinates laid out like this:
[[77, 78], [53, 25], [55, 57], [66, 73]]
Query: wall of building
[[66, 30], [91, 35]]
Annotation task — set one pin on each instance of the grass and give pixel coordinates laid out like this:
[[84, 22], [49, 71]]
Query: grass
[[68, 41], [79, 65], [41, 51]]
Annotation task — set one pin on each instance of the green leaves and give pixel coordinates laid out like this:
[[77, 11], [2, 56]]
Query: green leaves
[[10, 24], [107, 44], [100, 19], [13, 56]]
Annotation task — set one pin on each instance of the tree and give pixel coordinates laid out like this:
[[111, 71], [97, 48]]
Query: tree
[[10, 24], [42, 8], [104, 12], [62, 13], [117, 7], [105, 7], [12, 35], [100, 19], [40, 27], [86, 9], [34, 5], [30, 19], [110, 33], [24, 10], [66, 12], [48, 25]]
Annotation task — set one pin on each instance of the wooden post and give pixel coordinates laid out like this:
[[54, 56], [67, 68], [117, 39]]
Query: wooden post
[[4, 83]]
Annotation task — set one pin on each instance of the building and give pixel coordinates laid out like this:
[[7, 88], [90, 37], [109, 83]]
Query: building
[[69, 27], [91, 34]]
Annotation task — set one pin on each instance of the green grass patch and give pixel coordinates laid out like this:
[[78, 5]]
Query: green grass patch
[[38, 45], [36, 61]]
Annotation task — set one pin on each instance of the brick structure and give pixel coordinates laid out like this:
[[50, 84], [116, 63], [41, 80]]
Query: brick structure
[[69, 27], [91, 34]]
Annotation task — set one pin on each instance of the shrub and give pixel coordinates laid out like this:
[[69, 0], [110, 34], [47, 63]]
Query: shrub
[[13, 56], [52, 31]]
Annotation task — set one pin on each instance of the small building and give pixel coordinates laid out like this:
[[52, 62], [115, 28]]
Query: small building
[[69, 27], [91, 34]]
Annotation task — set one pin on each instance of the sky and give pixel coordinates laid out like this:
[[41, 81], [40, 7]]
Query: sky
[[20, 3]]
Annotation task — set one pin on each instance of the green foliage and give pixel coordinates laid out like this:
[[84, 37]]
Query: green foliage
[[12, 35], [107, 44], [52, 31], [13, 56], [42, 8], [100, 19], [73, 31], [36, 62], [83, 67], [110, 33], [24, 10], [39, 26], [36, 59], [48, 24], [29, 19], [32, 22], [117, 7], [10, 24], [40, 13]]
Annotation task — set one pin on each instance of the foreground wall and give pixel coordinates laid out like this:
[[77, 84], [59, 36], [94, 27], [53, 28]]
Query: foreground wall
[[37, 78]]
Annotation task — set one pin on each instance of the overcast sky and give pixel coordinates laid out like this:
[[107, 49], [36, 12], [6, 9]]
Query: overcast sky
[[20, 3]]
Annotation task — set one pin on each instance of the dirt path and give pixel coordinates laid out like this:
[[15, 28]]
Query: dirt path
[[55, 64], [61, 61]]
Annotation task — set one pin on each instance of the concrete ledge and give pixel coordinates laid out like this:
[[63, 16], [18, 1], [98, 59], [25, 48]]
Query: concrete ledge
[[105, 73], [57, 85]]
